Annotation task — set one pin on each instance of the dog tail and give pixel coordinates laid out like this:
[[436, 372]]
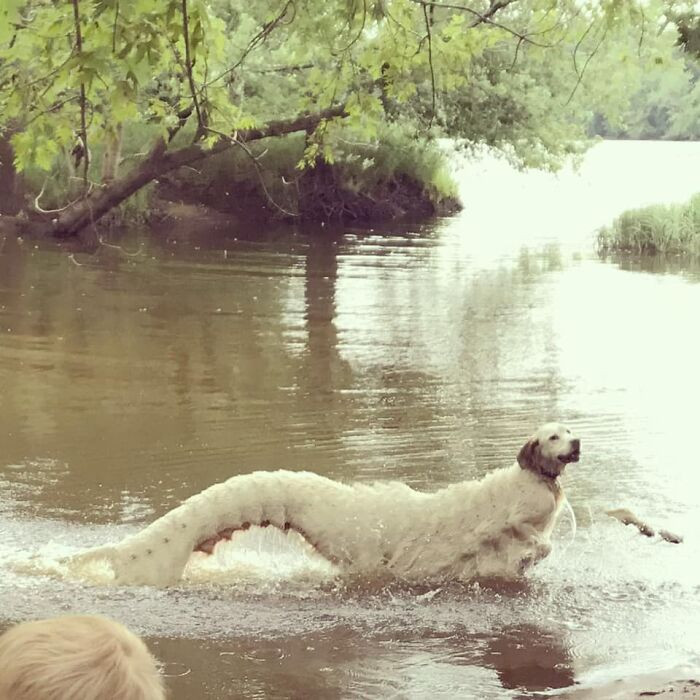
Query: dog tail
[[106, 553]]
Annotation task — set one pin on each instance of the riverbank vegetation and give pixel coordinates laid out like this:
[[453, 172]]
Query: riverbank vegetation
[[665, 105], [366, 88], [399, 174], [396, 175], [671, 229]]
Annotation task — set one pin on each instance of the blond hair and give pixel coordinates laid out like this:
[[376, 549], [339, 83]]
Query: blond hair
[[76, 658]]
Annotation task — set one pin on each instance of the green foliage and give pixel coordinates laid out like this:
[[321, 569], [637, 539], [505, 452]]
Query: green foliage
[[9, 17], [536, 108], [130, 67], [524, 77], [656, 229], [396, 151], [62, 182], [665, 102], [360, 166], [665, 106]]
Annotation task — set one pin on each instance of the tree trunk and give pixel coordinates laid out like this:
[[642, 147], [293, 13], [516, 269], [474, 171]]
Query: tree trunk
[[11, 189], [76, 218], [112, 153], [79, 218]]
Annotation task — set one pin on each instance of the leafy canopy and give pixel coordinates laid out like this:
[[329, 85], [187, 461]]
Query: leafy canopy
[[522, 75]]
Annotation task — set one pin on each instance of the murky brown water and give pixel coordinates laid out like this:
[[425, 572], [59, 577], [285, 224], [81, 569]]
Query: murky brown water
[[424, 354]]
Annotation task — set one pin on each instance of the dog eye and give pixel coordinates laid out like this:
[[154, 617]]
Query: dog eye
[[554, 437]]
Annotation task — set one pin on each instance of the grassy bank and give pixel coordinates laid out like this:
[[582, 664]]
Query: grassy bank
[[668, 229], [395, 175]]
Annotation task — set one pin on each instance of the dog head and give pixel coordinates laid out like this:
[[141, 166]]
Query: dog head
[[549, 450]]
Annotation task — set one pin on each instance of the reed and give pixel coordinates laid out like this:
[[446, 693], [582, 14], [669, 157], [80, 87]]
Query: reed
[[668, 229]]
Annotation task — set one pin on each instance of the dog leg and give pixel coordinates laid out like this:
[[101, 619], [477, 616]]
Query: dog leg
[[670, 537], [626, 517], [537, 547]]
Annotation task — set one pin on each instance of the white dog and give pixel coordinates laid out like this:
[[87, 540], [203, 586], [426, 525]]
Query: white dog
[[497, 526]]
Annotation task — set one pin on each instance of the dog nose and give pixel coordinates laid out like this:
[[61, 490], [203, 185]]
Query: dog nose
[[576, 444]]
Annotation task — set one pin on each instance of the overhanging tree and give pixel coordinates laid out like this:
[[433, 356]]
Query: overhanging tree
[[210, 76]]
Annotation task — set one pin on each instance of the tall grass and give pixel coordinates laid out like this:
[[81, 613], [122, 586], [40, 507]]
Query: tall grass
[[65, 183], [360, 165], [396, 151], [669, 229]]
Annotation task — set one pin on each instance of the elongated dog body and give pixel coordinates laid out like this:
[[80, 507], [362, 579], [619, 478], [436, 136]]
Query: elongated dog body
[[497, 526]]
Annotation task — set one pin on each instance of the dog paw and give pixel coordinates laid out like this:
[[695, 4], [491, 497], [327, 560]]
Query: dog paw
[[670, 537], [525, 564], [539, 551], [544, 549]]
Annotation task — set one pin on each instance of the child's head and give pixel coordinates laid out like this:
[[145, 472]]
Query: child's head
[[76, 658]]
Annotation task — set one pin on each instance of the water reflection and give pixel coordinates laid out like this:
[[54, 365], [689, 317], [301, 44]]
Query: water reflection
[[530, 658], [339, 662], [658, 264], [288, 351]]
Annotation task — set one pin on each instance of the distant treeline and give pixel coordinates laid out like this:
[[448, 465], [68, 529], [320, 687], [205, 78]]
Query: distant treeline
[[666, 104]]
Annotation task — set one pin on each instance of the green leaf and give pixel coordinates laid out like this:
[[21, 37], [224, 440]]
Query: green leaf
[[9, 15]]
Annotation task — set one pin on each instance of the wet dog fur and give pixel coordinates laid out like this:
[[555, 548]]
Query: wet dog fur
[[497, 526]]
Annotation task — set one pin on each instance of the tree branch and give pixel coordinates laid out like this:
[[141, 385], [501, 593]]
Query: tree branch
[[578, 46], [585, 65], [430, 61], [359, 31], [484, 18], [258, 39], [83, 121], [283, 69], [159, 161], [201, 125], [495, 6], [114, 27], [196, 151]]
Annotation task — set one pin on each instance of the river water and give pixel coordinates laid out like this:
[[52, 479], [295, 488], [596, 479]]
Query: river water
[[421, 353]]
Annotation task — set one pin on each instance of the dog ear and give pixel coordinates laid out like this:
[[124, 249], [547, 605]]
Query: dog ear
[[526, 456]]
